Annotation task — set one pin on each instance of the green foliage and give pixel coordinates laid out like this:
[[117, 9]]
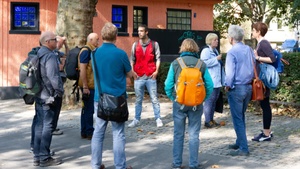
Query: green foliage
[[162, 75], [289, 87], [295, 14], [287, 91], [237, 11]]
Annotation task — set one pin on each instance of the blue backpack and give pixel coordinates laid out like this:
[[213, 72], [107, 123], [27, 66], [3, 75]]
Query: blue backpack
[[269, 75], [278, 63]]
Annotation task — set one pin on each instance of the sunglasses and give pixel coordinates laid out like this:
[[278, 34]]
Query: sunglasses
[[53, 39]]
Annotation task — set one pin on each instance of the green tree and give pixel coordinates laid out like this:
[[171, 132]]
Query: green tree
[[237, 11], [295, 14]]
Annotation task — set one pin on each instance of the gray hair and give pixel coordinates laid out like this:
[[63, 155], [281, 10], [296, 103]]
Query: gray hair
[[236, 32]]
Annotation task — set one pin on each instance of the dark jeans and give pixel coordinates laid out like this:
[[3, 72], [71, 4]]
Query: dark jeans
[[56, 108], [58, 104], [210, 104], [87, 113], [34, 120], [43, 129]]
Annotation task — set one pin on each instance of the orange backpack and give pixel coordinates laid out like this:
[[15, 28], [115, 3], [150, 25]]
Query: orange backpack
[[190, 89]]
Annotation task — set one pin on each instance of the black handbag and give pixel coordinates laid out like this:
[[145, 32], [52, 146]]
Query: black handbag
[[219, 103], [110, 108]]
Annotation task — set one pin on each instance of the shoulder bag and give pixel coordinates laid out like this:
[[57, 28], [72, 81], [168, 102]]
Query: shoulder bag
[[110, 108], [258, 87]]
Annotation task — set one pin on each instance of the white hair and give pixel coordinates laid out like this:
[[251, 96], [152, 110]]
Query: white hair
[[236, 32]]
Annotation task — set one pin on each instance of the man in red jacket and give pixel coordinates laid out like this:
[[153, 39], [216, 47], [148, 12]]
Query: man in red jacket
[[145, 61]]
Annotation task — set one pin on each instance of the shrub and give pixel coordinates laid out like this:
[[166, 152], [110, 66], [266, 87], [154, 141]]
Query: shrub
[[288, 89]]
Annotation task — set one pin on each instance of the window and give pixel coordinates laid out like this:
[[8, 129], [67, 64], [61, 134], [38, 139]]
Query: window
[[179, 19], [140, 16], [119, 18], [24, 18]]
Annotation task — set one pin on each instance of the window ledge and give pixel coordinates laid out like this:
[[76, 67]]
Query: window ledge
[[123, 34], [24, 32]]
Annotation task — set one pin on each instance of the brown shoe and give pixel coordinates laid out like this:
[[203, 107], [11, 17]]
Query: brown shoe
[[102, 166], [129, 167]]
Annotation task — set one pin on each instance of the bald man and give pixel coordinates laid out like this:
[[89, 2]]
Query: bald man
[[61, 59], [46, 101], [86, 83]]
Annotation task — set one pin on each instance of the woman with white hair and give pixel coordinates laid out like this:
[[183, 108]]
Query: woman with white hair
[[212, 59], [238, 78]]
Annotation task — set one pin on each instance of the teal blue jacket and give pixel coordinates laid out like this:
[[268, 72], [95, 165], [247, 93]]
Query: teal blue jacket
[[190, 59]]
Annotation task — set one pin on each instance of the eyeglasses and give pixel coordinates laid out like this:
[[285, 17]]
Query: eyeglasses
[[52, 39]]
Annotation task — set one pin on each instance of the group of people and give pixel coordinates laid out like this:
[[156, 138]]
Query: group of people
[[143, 67], [237, 81]]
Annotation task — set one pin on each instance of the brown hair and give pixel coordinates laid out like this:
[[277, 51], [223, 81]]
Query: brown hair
[[189, 45], [109, 32], [262, 27]]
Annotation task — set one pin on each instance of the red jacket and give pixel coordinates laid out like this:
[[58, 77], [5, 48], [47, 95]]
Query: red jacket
[[144, 63]]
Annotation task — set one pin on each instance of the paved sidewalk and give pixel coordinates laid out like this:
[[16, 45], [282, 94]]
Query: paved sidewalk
[[149, 147]]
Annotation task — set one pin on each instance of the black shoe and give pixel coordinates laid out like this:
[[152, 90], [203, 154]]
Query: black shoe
[[102, 166], [36, 162], [262, 137], [233, 146], [83, 136], [238, 153], [52, 153], [50, 162], [209, 124], [89, 137]]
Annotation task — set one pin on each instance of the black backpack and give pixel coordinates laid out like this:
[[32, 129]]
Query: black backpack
[[71, 67], [30, 76]]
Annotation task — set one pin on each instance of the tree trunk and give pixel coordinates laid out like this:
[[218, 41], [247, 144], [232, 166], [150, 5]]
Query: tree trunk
[[74, 21]]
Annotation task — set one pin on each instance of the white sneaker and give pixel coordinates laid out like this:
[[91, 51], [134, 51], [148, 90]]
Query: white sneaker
[[134, 123], [159, 123]]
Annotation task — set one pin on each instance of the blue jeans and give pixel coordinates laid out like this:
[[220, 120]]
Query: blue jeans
[[238, 99], [43, 129], [118, 142], [210, 104], [87, 112], [139, 87], [194, 125], [56, 109]]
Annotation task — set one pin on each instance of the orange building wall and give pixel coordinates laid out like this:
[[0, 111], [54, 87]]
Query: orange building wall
[[157, 10], [14, 47]]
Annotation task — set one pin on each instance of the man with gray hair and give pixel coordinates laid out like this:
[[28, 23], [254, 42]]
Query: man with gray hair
[[46, 101], [239, 75]]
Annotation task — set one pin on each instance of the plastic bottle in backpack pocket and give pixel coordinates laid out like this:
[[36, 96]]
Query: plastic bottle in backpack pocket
[[30, 80]]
